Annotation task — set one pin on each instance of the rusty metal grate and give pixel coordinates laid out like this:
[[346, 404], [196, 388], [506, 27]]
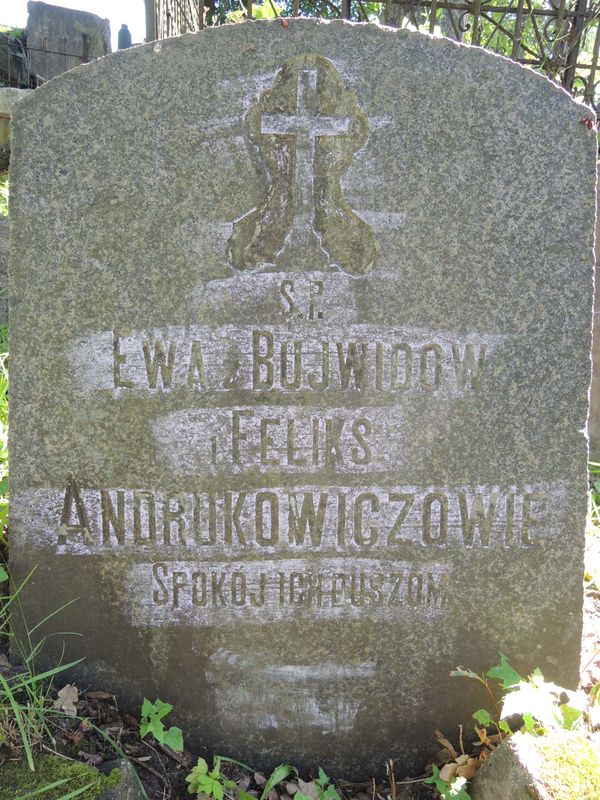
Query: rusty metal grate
[[557, 37]]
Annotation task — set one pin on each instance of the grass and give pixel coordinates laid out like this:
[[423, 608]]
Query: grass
[[25, 708]]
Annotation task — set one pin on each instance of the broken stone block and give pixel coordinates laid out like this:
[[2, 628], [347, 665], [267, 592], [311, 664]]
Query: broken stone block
[[563, 765]]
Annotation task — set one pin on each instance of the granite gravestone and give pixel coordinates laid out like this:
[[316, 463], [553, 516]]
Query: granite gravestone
[[300, 354]]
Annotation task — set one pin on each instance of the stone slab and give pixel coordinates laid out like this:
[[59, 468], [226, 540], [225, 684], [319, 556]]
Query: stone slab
[[562, 765], [299, 416], [60, 38]]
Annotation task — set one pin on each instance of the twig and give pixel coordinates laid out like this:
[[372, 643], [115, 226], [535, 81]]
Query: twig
[[597, 652], [185, 762], [391, 777], [60, 755], [152, 770]]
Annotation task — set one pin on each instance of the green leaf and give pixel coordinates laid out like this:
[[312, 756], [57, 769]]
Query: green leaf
[[161, 709], [201, 767], [3, 574], [323, 779], [435, 780], [228, 760], [147, 707], [460, 672], [539, 701], [529, 722], [279, 773], [504, 673], [45, 789], [570, 716], [504, 727], [173, 738], [483, 717], [217, 790], [70, 796]]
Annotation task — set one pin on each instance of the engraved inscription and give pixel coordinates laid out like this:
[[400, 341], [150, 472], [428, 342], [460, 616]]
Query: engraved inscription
[[274, 522], [354, 359], [215, 593]]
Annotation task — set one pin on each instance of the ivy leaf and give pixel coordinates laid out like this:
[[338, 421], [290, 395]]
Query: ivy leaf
[[504, 673], [504, 726], [538, 701], [173, 738], [529, 722], [483, 717], [323, 779], [570, 716], [147, 707], [160, 709]]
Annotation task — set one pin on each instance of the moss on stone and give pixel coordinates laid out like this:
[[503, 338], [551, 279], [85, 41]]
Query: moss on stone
[[571, 767], [17, 780]]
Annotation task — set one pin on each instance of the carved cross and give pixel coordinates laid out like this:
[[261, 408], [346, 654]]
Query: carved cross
[[306, 124]]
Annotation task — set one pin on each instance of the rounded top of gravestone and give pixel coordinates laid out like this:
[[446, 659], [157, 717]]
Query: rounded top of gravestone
[[228, 46]]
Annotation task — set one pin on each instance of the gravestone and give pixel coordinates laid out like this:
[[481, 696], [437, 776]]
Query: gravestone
[[300, 319], [60, 38]]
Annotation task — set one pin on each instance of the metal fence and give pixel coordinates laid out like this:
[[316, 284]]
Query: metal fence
[[558, 37], [24, 67]]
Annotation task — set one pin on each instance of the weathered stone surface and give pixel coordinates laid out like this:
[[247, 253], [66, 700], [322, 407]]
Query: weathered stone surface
[[127, 788], [594, 415], [59, 38], [3, 270], [291, 494], [563, 765]]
